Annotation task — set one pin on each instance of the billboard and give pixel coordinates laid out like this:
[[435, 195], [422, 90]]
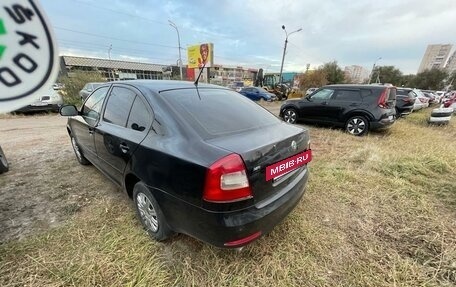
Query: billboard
[[199, 54]]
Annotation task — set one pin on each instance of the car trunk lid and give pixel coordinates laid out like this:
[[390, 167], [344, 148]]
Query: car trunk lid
[[263, 147]]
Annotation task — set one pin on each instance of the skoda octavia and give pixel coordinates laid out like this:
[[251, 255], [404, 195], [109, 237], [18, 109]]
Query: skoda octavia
[[196, 159]]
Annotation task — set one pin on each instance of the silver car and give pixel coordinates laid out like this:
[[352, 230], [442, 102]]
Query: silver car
[[88, 89]]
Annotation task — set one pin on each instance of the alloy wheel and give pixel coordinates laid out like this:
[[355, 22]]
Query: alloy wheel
[[356, 126], [147, 212], [290, 116]]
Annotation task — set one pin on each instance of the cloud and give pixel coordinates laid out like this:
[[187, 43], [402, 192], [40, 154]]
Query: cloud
[[250, 33]]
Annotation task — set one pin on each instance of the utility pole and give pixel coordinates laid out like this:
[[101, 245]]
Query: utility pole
[[373, 68], [111, 73], [285, 49], [171, 23]]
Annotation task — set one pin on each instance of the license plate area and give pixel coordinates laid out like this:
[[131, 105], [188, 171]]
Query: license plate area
[[280, 169]]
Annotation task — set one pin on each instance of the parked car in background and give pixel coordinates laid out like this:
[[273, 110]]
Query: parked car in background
[[451, 102], [405, 99], [310, 91], [357, 108], [88, 89], [421, 101], [50, 101], [257, 93], [194, 159], [440, 116], [448, 96], [440, 94], [3, 162], [431, 96]]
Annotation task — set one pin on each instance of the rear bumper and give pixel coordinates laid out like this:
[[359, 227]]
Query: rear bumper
[[218, 228], [440, 119], [404, 111], [30, 108], [382, 124]]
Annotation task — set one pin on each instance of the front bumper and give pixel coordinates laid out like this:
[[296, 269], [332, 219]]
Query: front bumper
[[219, 228]]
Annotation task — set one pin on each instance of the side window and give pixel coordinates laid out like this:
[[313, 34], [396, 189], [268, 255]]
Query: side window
[[348, 96], [322, 95], [140, 118], [92, 107], [118, 106]]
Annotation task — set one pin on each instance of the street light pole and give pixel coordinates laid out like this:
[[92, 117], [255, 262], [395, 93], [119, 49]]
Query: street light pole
[[373, 68], [285, 49], [171, 23]]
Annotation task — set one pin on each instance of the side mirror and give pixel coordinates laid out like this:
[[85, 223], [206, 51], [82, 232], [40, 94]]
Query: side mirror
[[89, 90], [68, 111]]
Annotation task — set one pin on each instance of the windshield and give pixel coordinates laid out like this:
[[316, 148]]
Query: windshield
[[218, 112]]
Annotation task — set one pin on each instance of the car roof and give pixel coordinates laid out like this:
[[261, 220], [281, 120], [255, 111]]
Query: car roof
[[163, 85], [357, 86]]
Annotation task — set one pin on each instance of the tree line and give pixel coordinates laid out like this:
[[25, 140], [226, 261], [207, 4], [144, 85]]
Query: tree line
[[331, 73]]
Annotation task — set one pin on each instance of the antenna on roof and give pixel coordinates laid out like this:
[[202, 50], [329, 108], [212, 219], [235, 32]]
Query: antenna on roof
[[199, 75]]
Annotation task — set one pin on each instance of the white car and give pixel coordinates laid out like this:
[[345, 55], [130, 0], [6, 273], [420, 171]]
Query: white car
[[50, 101], [440, 95], [310, 91], [421, 101], [441, 116]]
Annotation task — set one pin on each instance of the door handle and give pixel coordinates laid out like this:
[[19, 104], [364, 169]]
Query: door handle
[[124, 148], [324, 103]]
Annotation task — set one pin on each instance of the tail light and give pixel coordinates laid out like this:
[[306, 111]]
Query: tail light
[[407, 100], [226, 181], [383, 99], [447, 104], [423, 100]]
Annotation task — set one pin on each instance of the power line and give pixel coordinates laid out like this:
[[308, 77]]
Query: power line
[[214, 35], [121, 12], [113, 38], [81, 43]]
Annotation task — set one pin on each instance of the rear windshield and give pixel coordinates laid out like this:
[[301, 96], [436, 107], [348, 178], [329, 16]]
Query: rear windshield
[[218, 112], [392, 94]]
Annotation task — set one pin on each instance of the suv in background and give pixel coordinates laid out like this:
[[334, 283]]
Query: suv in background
[[357, 108], [88, 89], [405, 99]]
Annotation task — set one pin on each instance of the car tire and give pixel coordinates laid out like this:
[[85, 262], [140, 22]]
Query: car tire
[[4, 167], [149, 213], [357, 125], [290, 116], [77, 151]]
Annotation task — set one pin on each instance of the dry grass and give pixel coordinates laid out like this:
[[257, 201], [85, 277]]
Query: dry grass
[[379, 211]]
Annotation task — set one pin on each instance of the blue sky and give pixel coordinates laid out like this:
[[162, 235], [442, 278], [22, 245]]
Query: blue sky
[[249, 33]]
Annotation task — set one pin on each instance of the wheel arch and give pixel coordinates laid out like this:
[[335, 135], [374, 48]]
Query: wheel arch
[[362, 113], [129, 183], [289, 106]]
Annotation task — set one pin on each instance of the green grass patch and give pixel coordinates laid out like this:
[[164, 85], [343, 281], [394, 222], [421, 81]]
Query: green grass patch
[[378, 211]]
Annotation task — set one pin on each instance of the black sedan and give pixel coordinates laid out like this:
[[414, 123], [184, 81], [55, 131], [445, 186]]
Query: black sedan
[[196, 159]]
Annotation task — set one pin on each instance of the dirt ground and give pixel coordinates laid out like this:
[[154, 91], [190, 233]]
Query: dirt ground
[[45, 185]]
